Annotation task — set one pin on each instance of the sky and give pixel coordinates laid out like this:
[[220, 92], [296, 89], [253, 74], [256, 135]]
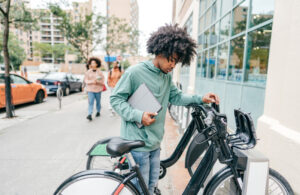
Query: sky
[[152, 14]]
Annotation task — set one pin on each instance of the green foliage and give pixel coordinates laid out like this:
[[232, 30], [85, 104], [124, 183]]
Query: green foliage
[[44, 49], [16, 52], [82, 34], [125, 64], [121, 37]]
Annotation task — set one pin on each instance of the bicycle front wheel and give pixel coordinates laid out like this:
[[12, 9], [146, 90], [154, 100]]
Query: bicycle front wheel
[[225, 185], [94, 183]]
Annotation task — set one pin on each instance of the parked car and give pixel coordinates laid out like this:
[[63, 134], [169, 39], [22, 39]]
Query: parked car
[[45, 68], [65, 80], [23, 91]]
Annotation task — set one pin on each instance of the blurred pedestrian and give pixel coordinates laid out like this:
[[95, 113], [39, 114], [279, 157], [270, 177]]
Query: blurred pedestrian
[[114, 76], [94, 81]]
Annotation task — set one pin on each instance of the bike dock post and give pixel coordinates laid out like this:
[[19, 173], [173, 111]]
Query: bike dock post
[[257, 171]]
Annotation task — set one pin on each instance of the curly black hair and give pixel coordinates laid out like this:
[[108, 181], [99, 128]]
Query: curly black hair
[[97, 60], [170, 39]]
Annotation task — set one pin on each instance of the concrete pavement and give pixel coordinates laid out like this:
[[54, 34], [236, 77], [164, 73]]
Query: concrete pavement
[[43, 146]]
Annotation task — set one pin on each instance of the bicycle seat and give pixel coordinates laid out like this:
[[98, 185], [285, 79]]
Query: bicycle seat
[[118, 146]]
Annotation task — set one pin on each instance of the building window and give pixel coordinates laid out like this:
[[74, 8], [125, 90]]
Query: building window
[[206, 38], [261, 11], [208, 17], [240, 18], [225, 28], [216, 10], [204, 63], [214, 34], [202, 6], [201, 24], [189, 24], [236, 59], [222, 61], [212, 62], [258, 54], [226, 6]]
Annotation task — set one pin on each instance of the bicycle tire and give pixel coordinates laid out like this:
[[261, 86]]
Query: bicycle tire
[[94, 182], [218, 187]]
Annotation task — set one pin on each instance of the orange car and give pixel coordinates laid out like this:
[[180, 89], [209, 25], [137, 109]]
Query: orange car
[[23, 91]]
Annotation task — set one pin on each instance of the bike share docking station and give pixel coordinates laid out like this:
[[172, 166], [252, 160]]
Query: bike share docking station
[[255, 179]]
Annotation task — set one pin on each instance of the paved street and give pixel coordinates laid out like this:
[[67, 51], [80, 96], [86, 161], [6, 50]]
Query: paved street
[[43, 145]]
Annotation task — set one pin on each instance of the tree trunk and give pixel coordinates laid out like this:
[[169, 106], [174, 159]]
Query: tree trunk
[[8, 96]]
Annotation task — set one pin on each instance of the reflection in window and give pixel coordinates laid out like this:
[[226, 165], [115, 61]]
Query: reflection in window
[[212, 62], [204, 63], [261, 11], [226, 6], [200, 42], [214, 34], [216, 10], [198, 71], [222, 61], [225, 28], [209, 3], [189, 24], [202, 6], [257, 55], [208, 18], [240, 18], [236, 58], [201, 24], [206, 38]]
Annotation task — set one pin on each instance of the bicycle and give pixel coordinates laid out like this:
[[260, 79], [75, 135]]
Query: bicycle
[[222, 146], [98, 158]]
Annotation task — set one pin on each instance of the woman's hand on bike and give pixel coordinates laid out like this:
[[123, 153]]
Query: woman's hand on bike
[[210, 98], [148, 118]]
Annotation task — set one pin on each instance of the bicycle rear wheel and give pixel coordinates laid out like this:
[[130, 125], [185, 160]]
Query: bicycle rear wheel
[[95, 183], [225, 185]]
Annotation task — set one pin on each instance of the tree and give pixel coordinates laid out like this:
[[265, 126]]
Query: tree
[[19, 16], [56, 51], [120, 37], [82, 34], [17, 53]]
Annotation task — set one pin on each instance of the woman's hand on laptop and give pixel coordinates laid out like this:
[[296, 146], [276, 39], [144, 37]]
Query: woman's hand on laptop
[[148, 118]]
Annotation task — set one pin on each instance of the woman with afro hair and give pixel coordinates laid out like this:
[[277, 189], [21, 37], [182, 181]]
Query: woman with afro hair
[[170, 45]]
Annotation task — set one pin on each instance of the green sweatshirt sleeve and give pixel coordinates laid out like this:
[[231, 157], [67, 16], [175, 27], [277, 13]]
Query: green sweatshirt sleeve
[[180, 99], [119, 97]]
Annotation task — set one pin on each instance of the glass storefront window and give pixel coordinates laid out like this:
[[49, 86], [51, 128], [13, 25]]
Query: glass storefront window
[[226, 6], [206, 38], [235, 70], [212, 62], [225, 28], [201, 24], [208, 18], [216, 10], [202, 6], [204, 63], [209, 3], [240, 18], [200, 42], [261, 11], [214, 34], [222, 61], [258, 54], [199, 60]]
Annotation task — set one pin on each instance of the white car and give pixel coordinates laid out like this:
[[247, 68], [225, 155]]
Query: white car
[[44, 68]]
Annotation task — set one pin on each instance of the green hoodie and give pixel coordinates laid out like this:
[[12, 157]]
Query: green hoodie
[[163, 89]]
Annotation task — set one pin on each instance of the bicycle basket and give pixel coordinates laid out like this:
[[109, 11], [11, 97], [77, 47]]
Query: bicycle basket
[[245, 137]]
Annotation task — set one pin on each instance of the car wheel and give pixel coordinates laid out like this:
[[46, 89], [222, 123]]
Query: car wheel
[[39, 97], [66, 91]]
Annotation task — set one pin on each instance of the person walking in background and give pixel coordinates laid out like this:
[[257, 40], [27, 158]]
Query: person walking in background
[[114, 76], [94, 81]]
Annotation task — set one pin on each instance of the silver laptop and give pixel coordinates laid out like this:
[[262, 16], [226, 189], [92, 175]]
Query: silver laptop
[[143, 99]]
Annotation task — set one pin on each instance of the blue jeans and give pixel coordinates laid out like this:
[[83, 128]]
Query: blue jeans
[[149, 164], [92, 96]]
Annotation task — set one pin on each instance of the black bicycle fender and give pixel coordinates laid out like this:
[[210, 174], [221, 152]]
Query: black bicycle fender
[[215, 177], [102, 141], [196, 148]]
